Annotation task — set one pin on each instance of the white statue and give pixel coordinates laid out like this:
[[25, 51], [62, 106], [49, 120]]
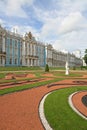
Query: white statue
[[67, 68]]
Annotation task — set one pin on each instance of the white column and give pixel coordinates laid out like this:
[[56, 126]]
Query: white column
[[3, 61], [31, 62], [35, 62], [27, 48], [46, 54], [3, 45], [23, 54], [34, 50], [30, 49], [28, 63], [0, 61]]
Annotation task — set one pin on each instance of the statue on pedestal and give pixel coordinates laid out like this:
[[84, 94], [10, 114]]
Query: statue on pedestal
[[67, 68]]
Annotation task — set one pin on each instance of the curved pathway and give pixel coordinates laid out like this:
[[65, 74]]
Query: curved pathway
[[19, 110], [77, 102]]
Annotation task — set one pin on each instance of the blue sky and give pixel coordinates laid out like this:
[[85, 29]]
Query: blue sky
[[63, 23]]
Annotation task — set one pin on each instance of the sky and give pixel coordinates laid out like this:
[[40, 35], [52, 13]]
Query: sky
[[62, 23]]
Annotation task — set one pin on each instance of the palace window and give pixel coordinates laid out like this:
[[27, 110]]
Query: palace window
[[15, 61], [10, 62]]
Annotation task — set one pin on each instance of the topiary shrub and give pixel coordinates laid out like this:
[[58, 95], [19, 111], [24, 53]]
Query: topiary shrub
[[74, 68], [46, 68]]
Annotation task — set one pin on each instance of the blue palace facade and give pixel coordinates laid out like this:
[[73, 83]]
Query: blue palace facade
[[16, 50]]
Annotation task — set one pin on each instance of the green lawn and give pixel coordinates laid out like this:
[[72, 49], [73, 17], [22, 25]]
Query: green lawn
[[40, 73], [59, 75], [2, 75], [19, 68], [63, 68], [58, 112], [72, 74], [57, 68], [27, 86]]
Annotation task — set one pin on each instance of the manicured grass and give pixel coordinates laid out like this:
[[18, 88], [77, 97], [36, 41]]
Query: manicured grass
[[58, 112], [39, 74], [56, 68], [62, 73], [2, 75], [15, 80], [63, 68], [27, 86], [19, 68]]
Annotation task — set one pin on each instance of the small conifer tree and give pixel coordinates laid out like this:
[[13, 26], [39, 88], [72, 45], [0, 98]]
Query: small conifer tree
[[46, 68]]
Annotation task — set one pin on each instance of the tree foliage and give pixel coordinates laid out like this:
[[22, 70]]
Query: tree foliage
[[85, 56]]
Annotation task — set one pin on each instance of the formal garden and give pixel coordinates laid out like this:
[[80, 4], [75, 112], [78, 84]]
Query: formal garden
[[57, 110], [32, 77]]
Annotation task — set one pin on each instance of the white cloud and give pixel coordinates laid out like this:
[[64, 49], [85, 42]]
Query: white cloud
[[72, 41], [2, 22], [67, 27], [71, 22], [57, 44], [15, 7], [49, 29], [54, 28], [2, 6], [67, 6]]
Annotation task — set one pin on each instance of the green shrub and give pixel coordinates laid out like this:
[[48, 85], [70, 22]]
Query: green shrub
[[46, 68], [84, 67], [74, 68]]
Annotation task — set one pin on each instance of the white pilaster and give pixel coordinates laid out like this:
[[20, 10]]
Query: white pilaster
[[28, 63], [23, 54], [3, 62], [3, 45]]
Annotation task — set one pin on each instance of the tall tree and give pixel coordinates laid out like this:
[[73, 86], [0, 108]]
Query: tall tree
[[85, 57]]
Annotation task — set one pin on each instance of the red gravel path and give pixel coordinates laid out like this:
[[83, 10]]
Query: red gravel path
[[19, 111], [77, 102]]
